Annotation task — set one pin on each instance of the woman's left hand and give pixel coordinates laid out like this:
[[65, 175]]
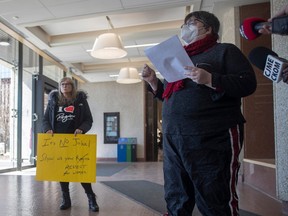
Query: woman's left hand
[[198, 75], [78, 131]]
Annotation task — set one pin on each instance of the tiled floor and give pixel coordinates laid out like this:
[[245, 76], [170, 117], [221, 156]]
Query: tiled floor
[[21, 195]]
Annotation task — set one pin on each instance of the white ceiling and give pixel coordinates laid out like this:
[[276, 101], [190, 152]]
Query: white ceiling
[[66, 29]]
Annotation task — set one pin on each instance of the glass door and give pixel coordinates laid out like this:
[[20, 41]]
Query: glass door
[[9, 60], [30, 72], [8, 116]]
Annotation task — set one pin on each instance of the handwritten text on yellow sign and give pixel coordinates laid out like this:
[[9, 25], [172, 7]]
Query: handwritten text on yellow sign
[[66, 157]]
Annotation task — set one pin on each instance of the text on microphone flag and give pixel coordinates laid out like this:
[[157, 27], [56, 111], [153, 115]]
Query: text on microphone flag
[[273, 68]]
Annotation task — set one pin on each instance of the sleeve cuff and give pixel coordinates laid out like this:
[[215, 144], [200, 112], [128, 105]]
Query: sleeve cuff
[[216, 82]]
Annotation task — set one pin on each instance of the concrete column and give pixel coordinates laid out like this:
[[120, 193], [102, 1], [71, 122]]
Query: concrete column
[[280, 94]]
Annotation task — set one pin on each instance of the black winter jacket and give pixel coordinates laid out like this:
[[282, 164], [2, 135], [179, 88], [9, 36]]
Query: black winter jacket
[[197, 109], [83, 119]]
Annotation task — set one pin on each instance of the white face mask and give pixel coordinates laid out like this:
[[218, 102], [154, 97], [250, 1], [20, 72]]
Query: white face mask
[[189, 34]]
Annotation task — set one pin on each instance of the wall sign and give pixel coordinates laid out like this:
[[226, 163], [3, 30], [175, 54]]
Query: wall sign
[[111, 127]]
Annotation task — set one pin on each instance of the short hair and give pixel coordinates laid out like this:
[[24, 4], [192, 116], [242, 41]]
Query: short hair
[[209, 20]]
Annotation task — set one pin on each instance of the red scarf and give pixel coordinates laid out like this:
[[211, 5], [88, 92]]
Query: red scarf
[[192, 49]]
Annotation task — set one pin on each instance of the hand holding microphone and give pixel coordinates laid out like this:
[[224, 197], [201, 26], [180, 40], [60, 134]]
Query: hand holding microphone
[[253, 27], [249, 29], [267, 29]]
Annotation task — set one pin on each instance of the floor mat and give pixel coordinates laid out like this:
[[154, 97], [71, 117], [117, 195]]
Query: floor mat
[[109, 169], [149, 194]]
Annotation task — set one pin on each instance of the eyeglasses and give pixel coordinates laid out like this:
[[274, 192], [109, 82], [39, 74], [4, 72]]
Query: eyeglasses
[[192, 22], [65, 84]]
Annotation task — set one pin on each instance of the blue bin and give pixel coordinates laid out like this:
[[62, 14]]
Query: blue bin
[[121, 153]]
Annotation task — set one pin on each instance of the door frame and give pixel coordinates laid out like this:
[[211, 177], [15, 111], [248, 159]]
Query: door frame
[[40, 85]]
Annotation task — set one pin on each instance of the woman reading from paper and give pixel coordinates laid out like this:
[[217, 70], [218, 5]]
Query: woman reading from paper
[[68, 112], [202, 121]]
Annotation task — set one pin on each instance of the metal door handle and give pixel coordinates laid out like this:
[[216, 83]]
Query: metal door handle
[[35, 117]]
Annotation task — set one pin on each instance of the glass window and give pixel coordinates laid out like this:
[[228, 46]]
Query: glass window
[[52, 71]]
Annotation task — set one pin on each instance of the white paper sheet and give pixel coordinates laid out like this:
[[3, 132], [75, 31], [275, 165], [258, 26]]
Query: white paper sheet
[[169, 58]]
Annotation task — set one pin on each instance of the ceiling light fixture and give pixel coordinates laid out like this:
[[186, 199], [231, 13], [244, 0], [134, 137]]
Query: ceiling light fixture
[[116, 75], [4, 42], [128, 75], [135, 46], [108, 45], [141, 45], [113, 75]]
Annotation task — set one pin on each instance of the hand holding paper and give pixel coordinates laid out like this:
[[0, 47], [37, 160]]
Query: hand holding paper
[[170, 58]]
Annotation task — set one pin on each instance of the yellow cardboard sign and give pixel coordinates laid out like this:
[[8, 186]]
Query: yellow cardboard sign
[[66, 157]]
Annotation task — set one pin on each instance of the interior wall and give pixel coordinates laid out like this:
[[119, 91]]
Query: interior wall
[[228, 34], [128, 99], [280, 90]]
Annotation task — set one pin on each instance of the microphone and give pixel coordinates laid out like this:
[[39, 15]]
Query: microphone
[[269, 62], [250, 26]]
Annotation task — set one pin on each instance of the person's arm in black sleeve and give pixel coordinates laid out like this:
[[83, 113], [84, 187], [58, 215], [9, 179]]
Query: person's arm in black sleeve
[[159, 92], [46, 124], [155, 86], [87, 118], [239, 79]]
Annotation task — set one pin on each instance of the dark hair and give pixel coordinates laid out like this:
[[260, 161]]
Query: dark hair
[[209, 20]]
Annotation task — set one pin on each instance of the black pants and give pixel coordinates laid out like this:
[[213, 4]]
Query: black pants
[[202, 170], [87, 187]]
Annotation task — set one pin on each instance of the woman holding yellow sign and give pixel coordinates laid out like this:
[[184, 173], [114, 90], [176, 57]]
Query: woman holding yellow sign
[[68, 112]]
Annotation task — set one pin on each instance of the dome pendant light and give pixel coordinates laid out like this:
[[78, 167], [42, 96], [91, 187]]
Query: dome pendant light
[[108, 45], [128, 75]]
